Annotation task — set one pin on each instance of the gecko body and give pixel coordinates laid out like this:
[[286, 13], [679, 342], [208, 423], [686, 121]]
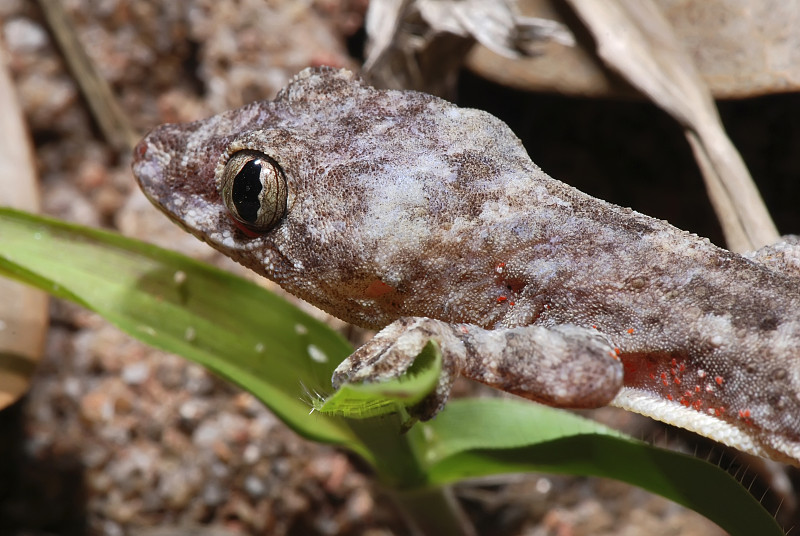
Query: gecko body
[[398, 211]]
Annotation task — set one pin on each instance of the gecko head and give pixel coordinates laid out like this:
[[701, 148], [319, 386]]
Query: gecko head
[[275, 185], [230, 180], [335, 188]]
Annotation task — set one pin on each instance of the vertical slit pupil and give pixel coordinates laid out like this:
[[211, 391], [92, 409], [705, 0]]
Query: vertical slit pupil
[[246, 187]]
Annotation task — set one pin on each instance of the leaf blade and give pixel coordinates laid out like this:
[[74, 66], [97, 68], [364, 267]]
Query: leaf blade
[[234, 327], [558, 442]]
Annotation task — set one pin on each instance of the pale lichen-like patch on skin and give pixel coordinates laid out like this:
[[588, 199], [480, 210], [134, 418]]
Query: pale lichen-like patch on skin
[[407, 212]]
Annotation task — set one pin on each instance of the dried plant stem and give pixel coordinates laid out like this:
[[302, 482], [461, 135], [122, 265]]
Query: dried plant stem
[[107, 114]]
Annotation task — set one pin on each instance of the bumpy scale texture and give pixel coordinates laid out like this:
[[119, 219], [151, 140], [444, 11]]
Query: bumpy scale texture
[[407, 213]]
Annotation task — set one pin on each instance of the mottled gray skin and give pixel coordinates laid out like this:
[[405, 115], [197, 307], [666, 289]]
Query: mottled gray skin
[[412, 214]]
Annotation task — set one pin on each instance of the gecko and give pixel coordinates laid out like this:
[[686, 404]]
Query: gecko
[[401, 212]]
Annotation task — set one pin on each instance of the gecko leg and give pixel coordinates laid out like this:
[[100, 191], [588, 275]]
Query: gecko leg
[[563, 366]]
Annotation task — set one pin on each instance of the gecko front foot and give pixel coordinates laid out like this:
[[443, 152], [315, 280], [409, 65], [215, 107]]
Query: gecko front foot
[[563, 366], [393, 350]]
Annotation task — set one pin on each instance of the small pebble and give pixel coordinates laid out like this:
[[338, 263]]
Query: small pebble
[[136, 373], [213, 494], [254, 486], [24, 35], [251, 454]]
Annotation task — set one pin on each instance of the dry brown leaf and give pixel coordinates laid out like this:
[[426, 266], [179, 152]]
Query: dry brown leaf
[[743, 48], [23, 310], [421, 44]]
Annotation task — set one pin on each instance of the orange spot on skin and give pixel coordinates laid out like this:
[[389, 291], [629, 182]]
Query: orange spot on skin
[[669, 397], [719, 380], [378, 288], [744, 413], [617, 351], [630, 331], [501, 299]]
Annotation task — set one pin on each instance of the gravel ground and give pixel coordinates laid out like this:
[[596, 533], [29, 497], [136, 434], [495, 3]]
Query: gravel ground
[[117, 438]]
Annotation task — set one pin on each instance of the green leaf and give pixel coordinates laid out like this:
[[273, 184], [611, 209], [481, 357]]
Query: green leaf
[[234, 327], [474, 438]]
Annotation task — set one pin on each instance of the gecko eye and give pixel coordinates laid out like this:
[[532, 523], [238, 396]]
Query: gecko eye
[[253, 188]]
